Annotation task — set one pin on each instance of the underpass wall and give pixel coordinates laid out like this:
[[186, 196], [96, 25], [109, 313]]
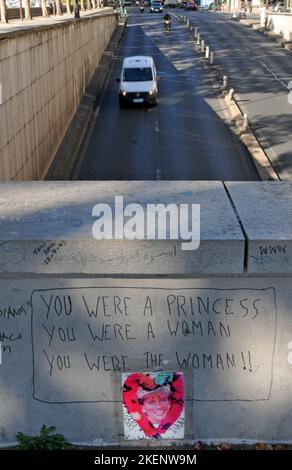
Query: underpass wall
[[43, 74], [77, 313]]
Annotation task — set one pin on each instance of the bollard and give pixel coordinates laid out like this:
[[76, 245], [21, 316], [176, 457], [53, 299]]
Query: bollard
[[225, 82], [202, 45], [207, 52], [188, 23], [196, 30], [231, 93], [191, 29], [245, 122], [211, 58], [198, 38]]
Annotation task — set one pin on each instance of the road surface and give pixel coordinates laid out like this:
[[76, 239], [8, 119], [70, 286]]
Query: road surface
[[185, 137], [259, 70]]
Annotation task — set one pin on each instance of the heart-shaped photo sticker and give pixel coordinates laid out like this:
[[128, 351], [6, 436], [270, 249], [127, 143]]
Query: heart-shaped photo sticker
[[154, 402]]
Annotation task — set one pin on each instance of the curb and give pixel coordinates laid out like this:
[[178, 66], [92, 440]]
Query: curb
[[67, 155]]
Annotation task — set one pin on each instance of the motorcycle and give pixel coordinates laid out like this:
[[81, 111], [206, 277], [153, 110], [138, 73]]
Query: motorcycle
[[141, 9], [167, 25]]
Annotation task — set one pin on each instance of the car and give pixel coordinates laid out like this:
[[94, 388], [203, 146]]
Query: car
[[156, 7], [138, 81]]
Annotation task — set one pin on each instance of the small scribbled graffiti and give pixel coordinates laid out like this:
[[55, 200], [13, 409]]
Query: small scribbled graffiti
[[153, 405]]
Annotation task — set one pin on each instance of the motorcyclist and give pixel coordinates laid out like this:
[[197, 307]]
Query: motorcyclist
[[167, 21]]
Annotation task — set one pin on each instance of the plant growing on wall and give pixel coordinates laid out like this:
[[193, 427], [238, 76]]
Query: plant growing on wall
[[44, 441]]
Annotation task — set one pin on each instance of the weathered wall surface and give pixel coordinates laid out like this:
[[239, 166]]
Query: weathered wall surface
[[43, 74], [68, 336]]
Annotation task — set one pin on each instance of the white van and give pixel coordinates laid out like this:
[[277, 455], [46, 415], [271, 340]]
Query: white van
[[138, 82]]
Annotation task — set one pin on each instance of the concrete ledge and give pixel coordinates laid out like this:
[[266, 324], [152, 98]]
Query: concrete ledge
[[29, 144], [246, 135]]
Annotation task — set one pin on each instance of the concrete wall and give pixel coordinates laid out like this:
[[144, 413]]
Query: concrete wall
[[43, 73], [221, 314]]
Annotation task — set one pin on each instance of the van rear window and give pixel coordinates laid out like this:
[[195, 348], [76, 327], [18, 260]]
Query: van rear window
[[137, 74]]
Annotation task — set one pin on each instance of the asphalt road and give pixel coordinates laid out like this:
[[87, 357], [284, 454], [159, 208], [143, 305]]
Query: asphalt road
[[259, 70], [185, 137]]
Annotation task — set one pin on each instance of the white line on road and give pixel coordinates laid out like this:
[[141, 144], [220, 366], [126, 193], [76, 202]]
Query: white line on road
[[158, 168], [274, 75], [96, 112]]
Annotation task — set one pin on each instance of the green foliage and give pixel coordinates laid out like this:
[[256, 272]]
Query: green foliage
[[45, 441]]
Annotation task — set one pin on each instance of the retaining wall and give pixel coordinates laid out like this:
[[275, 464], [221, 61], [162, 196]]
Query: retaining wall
[[43, 74], [77, 313]]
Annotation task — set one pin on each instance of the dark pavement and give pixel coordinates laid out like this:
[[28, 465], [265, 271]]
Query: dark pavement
[[183, 137]]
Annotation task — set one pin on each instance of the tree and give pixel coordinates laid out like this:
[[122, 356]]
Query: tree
[[27, 10], [3, 12]]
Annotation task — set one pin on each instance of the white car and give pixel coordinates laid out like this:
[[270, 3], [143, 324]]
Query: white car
[[138, 81]]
